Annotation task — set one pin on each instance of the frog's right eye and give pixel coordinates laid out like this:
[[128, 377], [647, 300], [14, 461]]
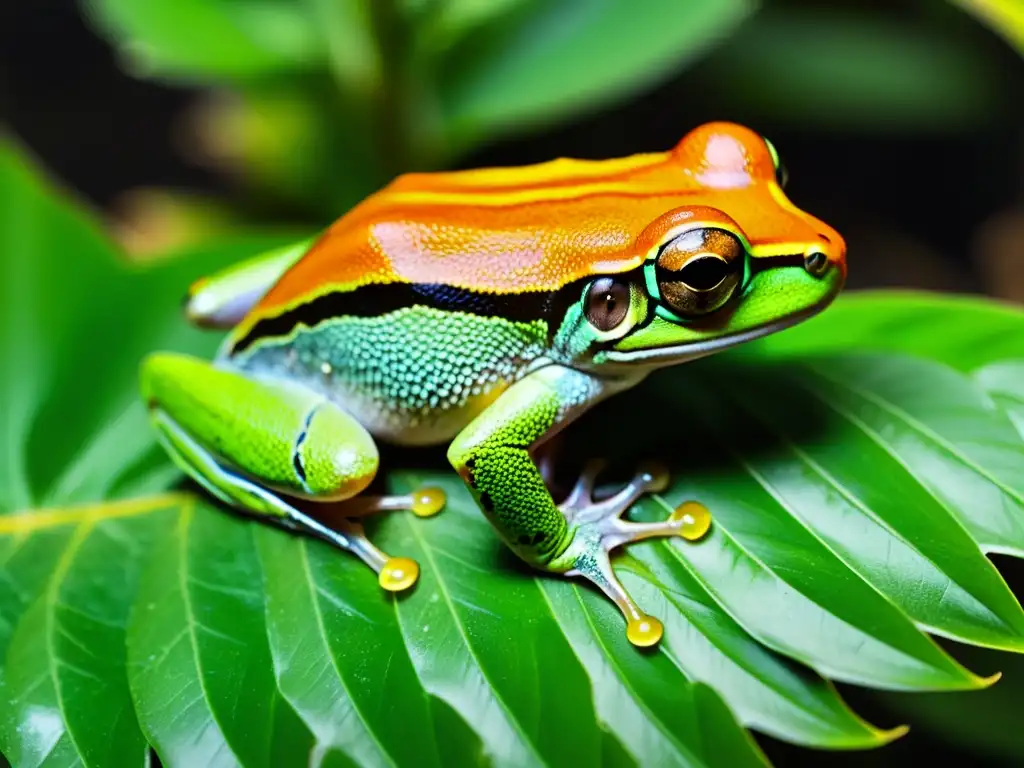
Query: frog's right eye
[[699, 270]]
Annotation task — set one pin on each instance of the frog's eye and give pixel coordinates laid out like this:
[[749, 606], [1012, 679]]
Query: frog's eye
[[606, 303], [699, 270], [781, 176]]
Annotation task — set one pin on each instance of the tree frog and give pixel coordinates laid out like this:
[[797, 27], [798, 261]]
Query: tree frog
[[486, 310]]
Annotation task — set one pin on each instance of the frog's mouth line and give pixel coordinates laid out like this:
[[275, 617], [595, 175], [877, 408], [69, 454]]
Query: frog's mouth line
[[682, 353]]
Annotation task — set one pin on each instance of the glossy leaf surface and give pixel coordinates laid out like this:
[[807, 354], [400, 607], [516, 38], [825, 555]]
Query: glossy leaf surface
[[856, 478]]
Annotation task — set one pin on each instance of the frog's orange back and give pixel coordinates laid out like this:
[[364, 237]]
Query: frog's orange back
[[539, 227]]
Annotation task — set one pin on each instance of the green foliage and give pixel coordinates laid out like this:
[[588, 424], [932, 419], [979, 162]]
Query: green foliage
[[371, 89], [858, 469], [600, 50], [1005, 17], [856, 70]]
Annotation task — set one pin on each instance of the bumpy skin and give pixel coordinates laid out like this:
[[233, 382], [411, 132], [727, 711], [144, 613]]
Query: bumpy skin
[[492, 456], [453, 307], [288, 437]]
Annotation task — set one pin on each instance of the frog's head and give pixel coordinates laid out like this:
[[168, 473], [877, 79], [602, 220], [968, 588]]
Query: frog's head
[[737, 261]]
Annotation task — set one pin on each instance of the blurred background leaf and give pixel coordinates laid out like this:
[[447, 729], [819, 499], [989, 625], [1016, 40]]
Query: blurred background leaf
[[548, 61], [1006, 17], [226, 40], [856, 69]]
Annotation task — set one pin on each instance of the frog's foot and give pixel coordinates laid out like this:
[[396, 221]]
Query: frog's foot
[[598, 529], [395, 574]]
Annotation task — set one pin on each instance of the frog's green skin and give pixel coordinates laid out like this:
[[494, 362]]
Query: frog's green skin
[[329, 354]]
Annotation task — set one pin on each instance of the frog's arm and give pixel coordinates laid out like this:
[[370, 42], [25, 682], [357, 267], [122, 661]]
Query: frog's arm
[[222, 299], [492, 455]]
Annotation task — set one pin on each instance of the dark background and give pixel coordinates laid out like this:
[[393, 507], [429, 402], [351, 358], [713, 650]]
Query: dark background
[[922, 205]]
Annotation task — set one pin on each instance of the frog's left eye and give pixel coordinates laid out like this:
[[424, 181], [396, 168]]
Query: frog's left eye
[[781, 175], [699, 270], [606, 303]]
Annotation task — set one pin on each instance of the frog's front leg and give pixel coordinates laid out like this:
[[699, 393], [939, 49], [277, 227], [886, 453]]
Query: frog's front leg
[[252, 443], [493, 456]]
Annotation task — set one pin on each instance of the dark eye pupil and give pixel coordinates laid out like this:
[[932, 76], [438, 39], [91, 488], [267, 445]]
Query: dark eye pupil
[[703, 274], [699, 270]]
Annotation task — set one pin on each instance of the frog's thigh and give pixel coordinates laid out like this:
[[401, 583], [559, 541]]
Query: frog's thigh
[[238, 437], [285, 438]]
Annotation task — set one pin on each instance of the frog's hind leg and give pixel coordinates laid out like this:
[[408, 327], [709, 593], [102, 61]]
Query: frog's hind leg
[[222, 299], [254, 443]]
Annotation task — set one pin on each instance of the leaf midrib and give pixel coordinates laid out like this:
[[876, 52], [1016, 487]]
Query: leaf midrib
[[851, 498], [60, 571], [322, 628], [184, 523], [511, 719], [619, 674]]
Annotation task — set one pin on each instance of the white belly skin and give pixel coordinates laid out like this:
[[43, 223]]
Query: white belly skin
[[433, 426]]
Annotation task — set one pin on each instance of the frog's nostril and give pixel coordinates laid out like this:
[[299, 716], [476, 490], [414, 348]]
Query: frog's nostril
[[815, 262]]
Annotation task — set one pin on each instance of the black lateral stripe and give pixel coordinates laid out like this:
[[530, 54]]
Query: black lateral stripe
[[761, 263], [378, 299], [300, 468]]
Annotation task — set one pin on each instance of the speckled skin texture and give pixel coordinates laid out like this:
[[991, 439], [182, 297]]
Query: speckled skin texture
[[415, 376], [492, 456]]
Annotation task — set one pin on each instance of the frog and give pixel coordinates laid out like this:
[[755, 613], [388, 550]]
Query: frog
[[485, 310]]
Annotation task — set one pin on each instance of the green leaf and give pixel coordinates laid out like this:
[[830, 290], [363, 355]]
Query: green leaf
[[64, 679], [210, 39], [854, 68], [197, 645], [962, 332], [1006, 17], [856, 479], [543, 61], [1004, 383]]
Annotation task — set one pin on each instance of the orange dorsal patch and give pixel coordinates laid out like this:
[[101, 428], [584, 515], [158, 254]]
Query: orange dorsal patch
[[538, 227]]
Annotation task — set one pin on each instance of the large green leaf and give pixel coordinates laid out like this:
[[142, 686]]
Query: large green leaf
[[855, 481], [963, 332]]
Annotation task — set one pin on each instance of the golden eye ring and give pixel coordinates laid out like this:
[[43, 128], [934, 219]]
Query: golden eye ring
[[699, 270]]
